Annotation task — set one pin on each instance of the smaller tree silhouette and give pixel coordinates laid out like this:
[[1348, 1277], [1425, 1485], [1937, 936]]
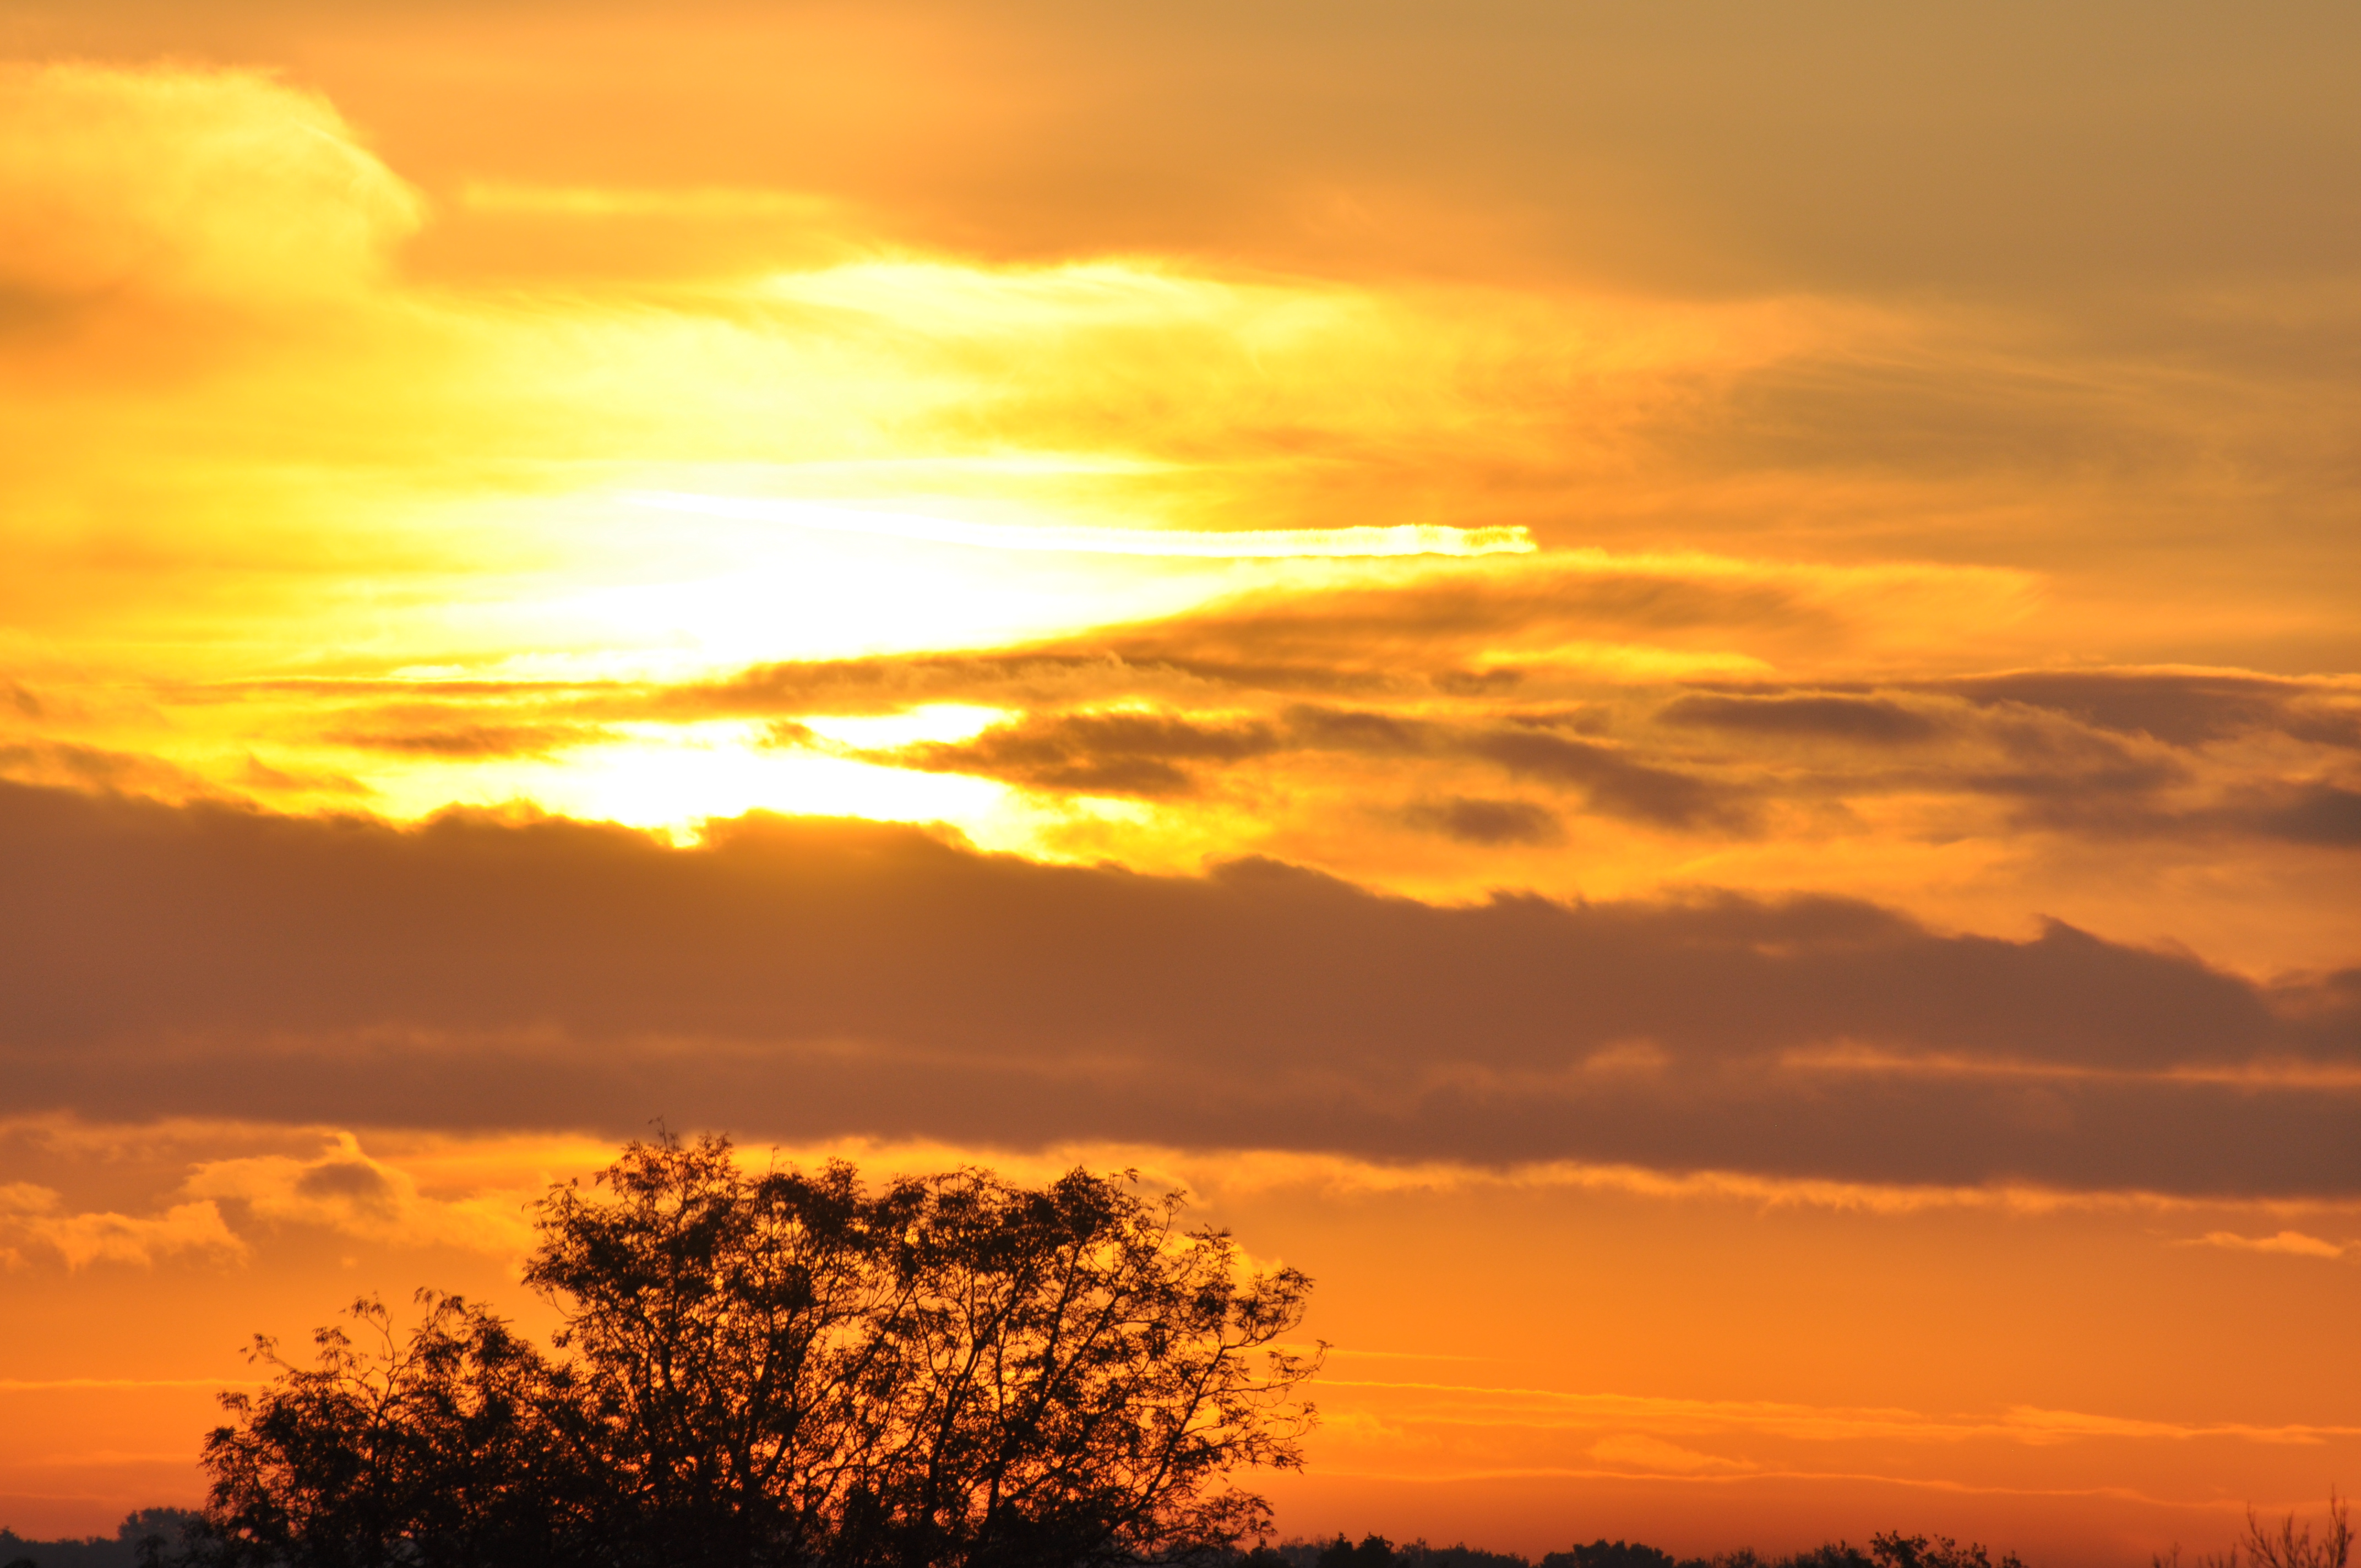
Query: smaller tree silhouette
[[1606, 1553], [2288, 1546]]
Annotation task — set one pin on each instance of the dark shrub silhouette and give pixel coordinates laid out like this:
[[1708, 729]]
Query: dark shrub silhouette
[[2288, 1546], [788, 1369], [1609, 1554], [1894, 1550]]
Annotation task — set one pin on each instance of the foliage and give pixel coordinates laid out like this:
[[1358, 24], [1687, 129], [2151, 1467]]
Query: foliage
[[1376, 1550], [1608, 1554], [1890, 1550], [2290, 1546], [787, 1369], [1894, 1550], [140, 1539], [459, 1446]]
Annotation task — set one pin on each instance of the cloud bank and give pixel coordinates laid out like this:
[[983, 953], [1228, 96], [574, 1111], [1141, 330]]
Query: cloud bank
[[803, 978]]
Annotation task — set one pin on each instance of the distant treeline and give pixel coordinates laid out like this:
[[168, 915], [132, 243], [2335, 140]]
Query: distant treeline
[[144, 1536], [150, 1536], [1893, 1550], [149, 1539]]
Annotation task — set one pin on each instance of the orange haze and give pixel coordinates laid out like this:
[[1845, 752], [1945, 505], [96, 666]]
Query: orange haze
[[1674, 691]]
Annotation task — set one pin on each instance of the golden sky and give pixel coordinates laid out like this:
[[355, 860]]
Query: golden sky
[[1672, 689]]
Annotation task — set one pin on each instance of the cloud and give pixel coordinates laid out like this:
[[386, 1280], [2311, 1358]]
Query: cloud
[[1407, 539], [31, 1216], [612, 201], [1486, 822], [1871, 719], [2292, 1244], [1453, 614], [343, 1190], [1613, 782], [1638, 1451], [464, 739], [1161, 755], [74, 765], [2317, 812], [2181, 708], [2027, 1425], [259, 774], [1094, 754], [183, 180], [802, 978]]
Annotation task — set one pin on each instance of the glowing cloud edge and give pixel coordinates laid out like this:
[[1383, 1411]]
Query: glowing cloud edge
[[1407, 539]]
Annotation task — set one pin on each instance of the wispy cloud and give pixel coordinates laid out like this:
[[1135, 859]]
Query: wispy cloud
[[1403, 538], [2289, 1243]]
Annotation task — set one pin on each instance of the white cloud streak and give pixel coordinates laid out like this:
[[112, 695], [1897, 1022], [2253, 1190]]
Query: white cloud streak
[[1407, 539]]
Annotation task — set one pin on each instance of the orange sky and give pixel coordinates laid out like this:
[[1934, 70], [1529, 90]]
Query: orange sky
[[1672, 690]]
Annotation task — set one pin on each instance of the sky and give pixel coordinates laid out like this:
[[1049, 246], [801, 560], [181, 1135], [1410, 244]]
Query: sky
[[1674, 690]]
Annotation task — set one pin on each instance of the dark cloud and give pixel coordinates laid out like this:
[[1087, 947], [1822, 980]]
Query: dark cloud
[[1103, 754], [344, 1178], [1941, 155], [2065, 775], [2317, 812], [71, 764], [2180, 709], [1612, 781], [1263, 681], [1486, 822], [1369, 734], [1875, 721], [1415, 638], [475, 740], [259, 774], [1444, 610], [1158, 754], [894, 683], [795, 978]]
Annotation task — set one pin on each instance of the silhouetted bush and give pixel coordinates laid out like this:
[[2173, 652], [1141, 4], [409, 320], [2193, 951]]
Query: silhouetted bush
[[1609, 1554], [1376, 1550], [1830, 1554], [2290, 1546], [1373, 1551]]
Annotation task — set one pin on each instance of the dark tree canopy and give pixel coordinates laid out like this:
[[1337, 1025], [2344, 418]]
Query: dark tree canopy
[[783, 1368], [1609, 1554]]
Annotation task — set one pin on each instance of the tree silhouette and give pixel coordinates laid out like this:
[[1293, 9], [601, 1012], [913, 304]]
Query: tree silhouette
[[1609, 1554], [787, 1369], [2288, 1546]]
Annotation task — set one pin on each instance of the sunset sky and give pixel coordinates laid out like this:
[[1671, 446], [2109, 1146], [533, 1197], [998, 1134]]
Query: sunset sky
[[1672, 689]]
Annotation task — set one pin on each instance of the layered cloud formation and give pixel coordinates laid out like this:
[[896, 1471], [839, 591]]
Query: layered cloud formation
[[811, 979]]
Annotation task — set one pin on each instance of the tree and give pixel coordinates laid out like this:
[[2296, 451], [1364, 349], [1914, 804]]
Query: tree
[[1894, 1550], [782, 1368], [1608, 1554], [2288, 1546], [458, 1446]]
